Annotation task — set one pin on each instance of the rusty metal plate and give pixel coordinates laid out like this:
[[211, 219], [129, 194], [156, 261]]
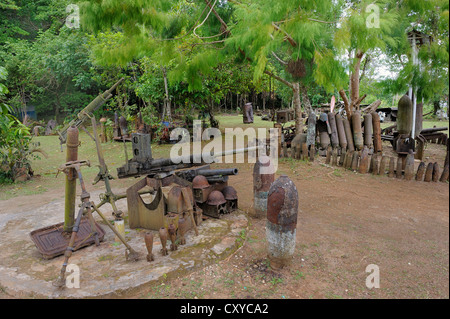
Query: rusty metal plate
[[51, 241]]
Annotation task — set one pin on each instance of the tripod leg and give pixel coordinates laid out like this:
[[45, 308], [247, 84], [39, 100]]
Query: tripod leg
[[133, 255], [69, 250], [93, 227]]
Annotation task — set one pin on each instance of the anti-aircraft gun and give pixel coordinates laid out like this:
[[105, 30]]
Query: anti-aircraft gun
[[83, 115]]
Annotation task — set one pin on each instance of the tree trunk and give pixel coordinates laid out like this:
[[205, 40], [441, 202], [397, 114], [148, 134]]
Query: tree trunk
[[305, 99], [436, 106], [354, 80], [298, 108]]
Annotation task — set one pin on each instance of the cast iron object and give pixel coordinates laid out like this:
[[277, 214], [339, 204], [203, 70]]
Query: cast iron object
[[182, 229], [329, 154], [216, 198], [376, 126], [436, 172], [364, 161], [324, 138], [404, 115], [420, 172], [429, 173], [399, 172], [311, 132], [173, 237], [391, 167], [51, 242], [281, 225], [231, 197], [368, 130], [343, 156], [71, 182], [148, 238], [445, 174], [355, 159], [334, 133], [357, 131], [348, 134], [163, 235], [334, 157], [175, 199], [341, 132], [409, 168], [383, 165], [348, 159], [263, 177], [375, 168]]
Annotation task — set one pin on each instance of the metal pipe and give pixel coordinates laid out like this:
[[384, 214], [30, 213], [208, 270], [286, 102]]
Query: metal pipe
[[71, 181]]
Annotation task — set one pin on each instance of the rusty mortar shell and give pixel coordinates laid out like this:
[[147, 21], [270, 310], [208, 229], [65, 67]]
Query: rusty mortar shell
[[368, 130], [173, 237], [148, 238], [357, 131], [334, 132], [343, 156], [364, 161], [263, 177], [334, 157], [420, 172], [348, 159], [409, 168], [281, 225], [383, 165], [376, 126], [348, 134], [341, 131], [399, 172], [391, 173], [329, 153], [182, 229], [324, 138], [436, 172], [375, 165], [163, 235], [429, 173], [445, 174], [355, 159]]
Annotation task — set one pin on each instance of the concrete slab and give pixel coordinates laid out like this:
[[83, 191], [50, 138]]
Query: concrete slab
[[104, 272]]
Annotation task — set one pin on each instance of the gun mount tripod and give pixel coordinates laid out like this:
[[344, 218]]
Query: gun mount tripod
[[86, 209]]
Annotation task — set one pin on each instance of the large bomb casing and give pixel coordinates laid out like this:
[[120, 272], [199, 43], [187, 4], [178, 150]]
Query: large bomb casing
[[281, 225], [357, 131], [334, 132], [341, 132]]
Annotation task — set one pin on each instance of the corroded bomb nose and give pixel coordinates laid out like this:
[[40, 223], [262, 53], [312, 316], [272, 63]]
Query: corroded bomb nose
[[200, 182], [216, 198]]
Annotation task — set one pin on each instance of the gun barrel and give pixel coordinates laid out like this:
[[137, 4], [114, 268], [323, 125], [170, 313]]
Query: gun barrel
[[218, 172]]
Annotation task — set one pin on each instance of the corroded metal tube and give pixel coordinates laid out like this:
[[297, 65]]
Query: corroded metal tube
[[357, 130], [391, 167], [71, 181], [334, 133], [263, 177], [329, 153], [368, 130], [376, 126], [375, 167], [364, 161], [409, 168], [343, 156], [281, 225], [436, 172], [399, 171], [334, 160], [445, 174], [429, 173], [355, 158], [420, 172], [341, 132], [348, 134], [383, 165], [163, 236], [148, 238]]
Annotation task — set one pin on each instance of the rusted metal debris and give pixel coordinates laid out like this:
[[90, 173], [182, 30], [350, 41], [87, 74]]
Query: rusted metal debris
[[429, 173], [445, 174], [368, 131], [329, 154], [376, 126], [436, 172], [420, 172], [357, 131], [409, 168], [383, 165], [399, 172], [391, 167], [355, 159], [148, 238], [364, 161], [281, 225], [163, 236]]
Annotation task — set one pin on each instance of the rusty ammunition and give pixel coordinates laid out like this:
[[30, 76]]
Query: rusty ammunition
[[71, 182], [341, 132], [163, 235], [399, 171], [409, 168], [148, 238], [263, 177], [281, 225], [376, 126], [364, 161], [436, 172], [368, 130], [391, 167], [329, 153], [324, 139], [383, 165], [445, 174], [348, 134], [334, 160], [342, 158], [348, 159], [375, 165], [420, 172], [357, 131], [173, 236], [334, 133], [429, 173], [182, 229], [355, 158]]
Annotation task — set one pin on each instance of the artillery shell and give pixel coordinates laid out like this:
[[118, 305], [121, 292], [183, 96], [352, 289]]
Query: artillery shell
[[355, 159], [342, 158], [163, 235], [420, 172], [329, 153], [409, 168], [348, 159], [429, 173], [368, 130], [383, 165], [376, 126], [348, 134], [399, 167], [324, 139], [334, 133], [341, 132], [375, 165], [281, 225], [445, 174], [173, 236], [334, 157], [357, 131], [436, 172], [263, 177], [391, 167], [182, 229], [364, 161], [148, 238]]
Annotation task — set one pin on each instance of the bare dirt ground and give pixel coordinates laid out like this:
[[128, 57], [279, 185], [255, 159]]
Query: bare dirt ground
[[346, 222]]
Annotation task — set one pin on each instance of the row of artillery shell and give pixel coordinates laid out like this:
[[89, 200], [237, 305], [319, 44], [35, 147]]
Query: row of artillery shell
[[380, 165]]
